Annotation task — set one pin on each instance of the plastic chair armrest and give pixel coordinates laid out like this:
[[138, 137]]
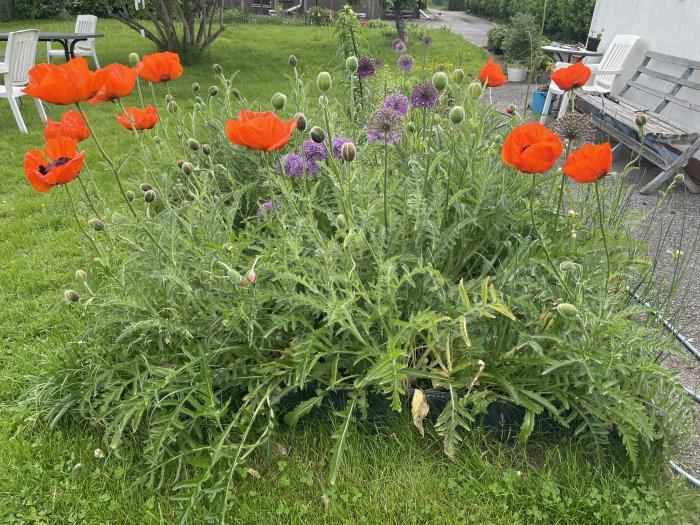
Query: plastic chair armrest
[[614, 72]]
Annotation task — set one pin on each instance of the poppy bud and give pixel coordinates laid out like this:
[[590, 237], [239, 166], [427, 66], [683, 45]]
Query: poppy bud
[[251, 276], [475, 90], [218, 69], [301, 122], [172, 107], [351, 64], [679, 177], [213, 91], [458, 76], [567, 310], [568, 266], [292, 60], [130, 196], [157, 139], [134, 59], [72, 296], [193, 144], [411, 127], [195, 87], [168, 98], [149, 196], [199, 100], [228, 247], [340, 222], [81, 276], [234, 276], [323, 101], [187, 168], [317, 135], [348, 151], [352, 241], [197, 106], [145, 187], [457, 114], [236, 93], [206, 149], [228, 83], [440, 80], [179, 163], [279, 100], [96, 224], [324, 81], [640, 119], [571, 214], [244, 282], [512, 109]]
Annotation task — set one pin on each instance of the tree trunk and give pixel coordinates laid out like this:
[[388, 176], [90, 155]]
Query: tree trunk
[[400, 22]]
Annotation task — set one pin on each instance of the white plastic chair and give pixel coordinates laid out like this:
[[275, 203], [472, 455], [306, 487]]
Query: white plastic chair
[[602, 75], [85, 48], [20, 55]]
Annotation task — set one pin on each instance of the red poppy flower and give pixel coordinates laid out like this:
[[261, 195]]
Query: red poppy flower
[[260, 131], [59, 163], [63, 84], [531, 148], [589, 163], [159, 67], [492, 74], [142, 118], [113, 81], [71, 125], [571, 77]]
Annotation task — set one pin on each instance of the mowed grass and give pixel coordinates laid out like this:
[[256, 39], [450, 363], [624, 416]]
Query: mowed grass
[[389, 475]]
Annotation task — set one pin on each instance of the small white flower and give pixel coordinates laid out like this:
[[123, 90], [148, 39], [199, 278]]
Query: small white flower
[[99, 454]]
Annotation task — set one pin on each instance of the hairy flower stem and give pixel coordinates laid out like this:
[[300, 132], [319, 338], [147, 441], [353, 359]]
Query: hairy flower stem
[[386, 161], [138, 87], [80, 224], [602, 231], [88, 199], [561, 191]]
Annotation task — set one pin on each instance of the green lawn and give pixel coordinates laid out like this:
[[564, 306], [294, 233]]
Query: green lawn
[[389, 476]]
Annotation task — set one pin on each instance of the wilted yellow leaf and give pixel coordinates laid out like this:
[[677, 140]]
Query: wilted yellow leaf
[[419, 410], [254, 473]]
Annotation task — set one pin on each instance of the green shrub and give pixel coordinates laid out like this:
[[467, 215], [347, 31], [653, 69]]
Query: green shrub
[[236, 16], [456, 5]]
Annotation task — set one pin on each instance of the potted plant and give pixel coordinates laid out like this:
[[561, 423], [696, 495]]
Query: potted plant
[[496, 37], [594, 41], [521, 45]]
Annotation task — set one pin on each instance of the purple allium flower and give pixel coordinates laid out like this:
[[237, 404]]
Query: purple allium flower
[[378, 63], [338, 146], [405, 63], [293, 165], [399, 46], [427, 41], [398, 102], [385, 125], [313, 151], [424, 95], [266, 208], [365, 67]]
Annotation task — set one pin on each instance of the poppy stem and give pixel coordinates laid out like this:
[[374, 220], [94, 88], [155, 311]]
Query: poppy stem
[[87, 197], [561, 191], [602, 231], [80, 224], [138, 87]]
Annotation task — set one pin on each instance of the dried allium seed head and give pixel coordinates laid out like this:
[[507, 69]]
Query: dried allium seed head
[[96, 224], [72, 296], [149, 196]]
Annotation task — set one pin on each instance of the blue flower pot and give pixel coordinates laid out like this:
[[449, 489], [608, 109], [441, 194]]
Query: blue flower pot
[[538, 98]]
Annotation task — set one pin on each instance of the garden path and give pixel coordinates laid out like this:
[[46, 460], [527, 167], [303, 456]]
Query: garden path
[[471, 27]]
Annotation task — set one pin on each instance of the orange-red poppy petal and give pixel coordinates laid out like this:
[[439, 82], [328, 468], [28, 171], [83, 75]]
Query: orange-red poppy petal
[[135, 118], [63, 84], [260, 131], [71, 125], [67, 172], [61, 147], [160, 67], [492, 74], [589, 163], [32, 160], [571, 77], [531, 148], [113, 82]]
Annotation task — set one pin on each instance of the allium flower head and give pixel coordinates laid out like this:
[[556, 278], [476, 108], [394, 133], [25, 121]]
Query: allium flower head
[[398, 102], [399, 46], [337, 148], [385, 126], [575, 127], [424, 95], [267, 208], [366, 67], [313, 151], [293, 165], [405, 63], [427, 41]]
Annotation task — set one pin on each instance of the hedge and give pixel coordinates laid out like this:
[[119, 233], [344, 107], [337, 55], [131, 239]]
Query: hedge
[[566, 21], [32, 9]]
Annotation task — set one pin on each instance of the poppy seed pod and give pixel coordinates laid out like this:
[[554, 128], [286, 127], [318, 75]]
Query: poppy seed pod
[[96, 224], [351, 64], [474, 90], [292, 60], [149, 196], [440, 80], [218, 69], [81, 276], [348, 151], [187, 168], [301, 122], [213, 91], [145, 187], [568, 310], [206, 149], [130, 196], [252, 276], [317, 135], [134, 59], [340, 222], [195, 87], [279, 100], [458, 76], [193, 144], [72, 296], [457, 114], [324, 81], [172, 106]]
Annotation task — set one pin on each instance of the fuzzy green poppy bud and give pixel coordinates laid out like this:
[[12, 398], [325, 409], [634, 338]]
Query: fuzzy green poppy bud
[[567, 310], [134, 59], [640, 119], [292, 61], [340, 222], [317, 134], [96, 224], [187, 168], [149, 196], [323, 101], [351, 64], [568, 266], [457, 114], [512, 109], [168, 98], [324, 81], [301, 121], [236, 93], [197, 106], [352, 241], [234, 276], [279, 100], [679, 178], [474, 90], [228, 247], [130, 196], [348, 151], [411, 127], [145, 187], [206, 149], [199, 100], [213, 91], [193, 144], [218, 69], [458, 76], [195, 87], [172, 106], [157, 139], [81, 276], [72, 296], [440, 80], [251, 276]]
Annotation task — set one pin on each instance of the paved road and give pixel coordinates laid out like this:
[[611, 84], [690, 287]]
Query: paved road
[[471, 27]]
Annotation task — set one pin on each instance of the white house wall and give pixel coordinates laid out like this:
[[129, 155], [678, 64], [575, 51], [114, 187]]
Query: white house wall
[[666, 26]]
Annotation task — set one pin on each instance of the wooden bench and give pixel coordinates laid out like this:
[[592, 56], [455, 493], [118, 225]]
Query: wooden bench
[[662, 136]]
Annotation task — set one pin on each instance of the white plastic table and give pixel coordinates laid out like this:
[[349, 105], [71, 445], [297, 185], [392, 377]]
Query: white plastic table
[[3, 68], [578, 52]]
